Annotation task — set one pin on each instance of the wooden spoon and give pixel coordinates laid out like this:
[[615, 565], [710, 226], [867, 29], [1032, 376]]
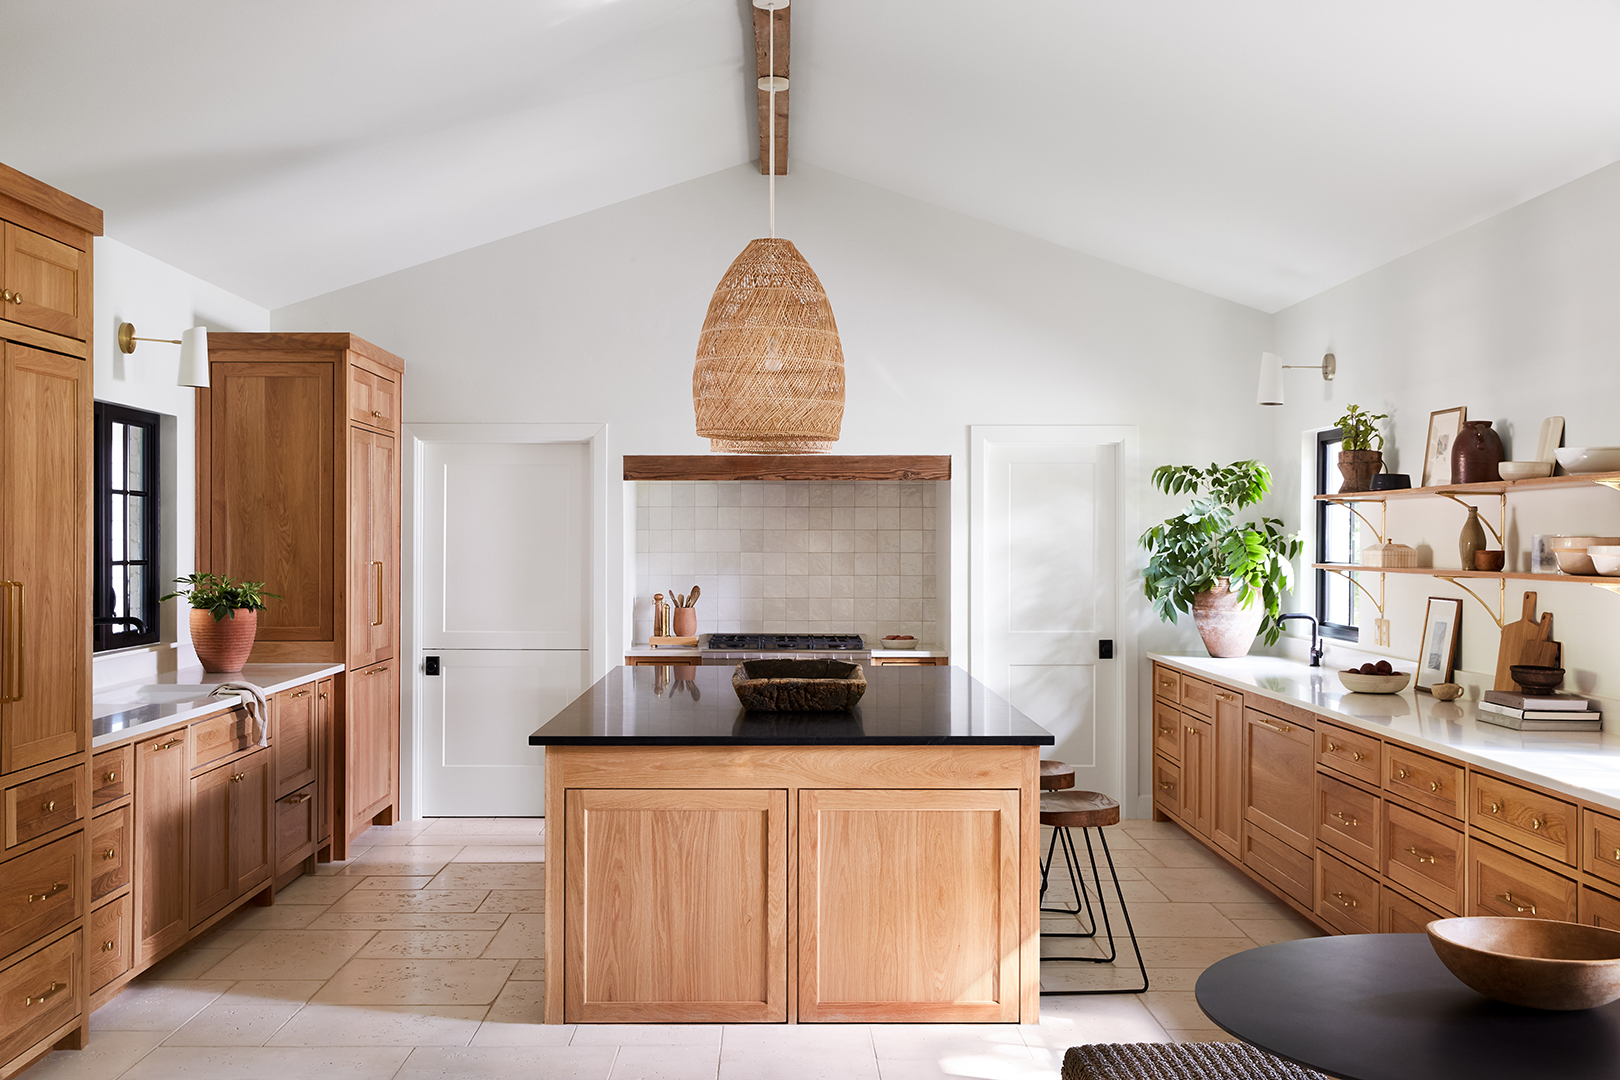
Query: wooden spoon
[[692, 600]]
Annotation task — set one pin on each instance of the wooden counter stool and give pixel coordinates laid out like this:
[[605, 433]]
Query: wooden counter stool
[[1056, 776], [1086, 811]]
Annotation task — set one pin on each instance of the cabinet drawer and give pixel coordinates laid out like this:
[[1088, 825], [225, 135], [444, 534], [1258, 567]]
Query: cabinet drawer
[[1349, 752], [1167, 731], [40, 892], [1278, 863], [295, 749], [110, 775], [1400, 914], [1426, 781], [1166, 683], [1167, 785], [1347, 820], [219, 737], [1600, 844], [295, 828], [373, 400], [110, 942], [39, 994], [1424, 856], [1599, 909], [1345, 897], [1197, 696], [109, 852], [1503, 884], [41, 806], [1540, 822]]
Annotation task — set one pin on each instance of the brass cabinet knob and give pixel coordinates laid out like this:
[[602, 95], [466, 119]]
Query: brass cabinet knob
[[5, 295], [1356, 755], [1535, 823], [1496, 808], [1434, 785], [110, 777], [50, 806], [1334, 747], [1400, 774], [16, 298], [110, 853], [108, 946], [237, 778]]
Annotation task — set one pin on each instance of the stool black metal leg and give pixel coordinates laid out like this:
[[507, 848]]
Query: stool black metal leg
[[1072, 858], [1079, 886]]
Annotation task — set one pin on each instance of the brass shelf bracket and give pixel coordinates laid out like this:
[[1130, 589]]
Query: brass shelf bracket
[[1378, 530], [1501, 598], [1376, 601], [1496, 531]]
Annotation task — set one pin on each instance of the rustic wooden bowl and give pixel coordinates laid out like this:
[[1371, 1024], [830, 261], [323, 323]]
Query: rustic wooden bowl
[[798, 685], [1536, 963], [1537, 678], [1357, 683]]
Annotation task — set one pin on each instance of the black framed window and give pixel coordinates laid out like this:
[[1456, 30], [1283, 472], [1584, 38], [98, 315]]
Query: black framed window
[[1338, 538], [125, 610]]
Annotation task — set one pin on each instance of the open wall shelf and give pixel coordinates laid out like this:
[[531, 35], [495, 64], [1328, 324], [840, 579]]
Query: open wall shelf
[[1495, 487], [1446, 572]]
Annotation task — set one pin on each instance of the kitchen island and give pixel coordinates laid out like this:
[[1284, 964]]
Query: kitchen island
[[713, 865]]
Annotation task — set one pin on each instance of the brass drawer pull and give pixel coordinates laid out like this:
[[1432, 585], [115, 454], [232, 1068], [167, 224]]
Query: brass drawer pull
[[237, 778], [165, 745], [1535, 823], [13, 654], [1496, 808], [50, 806], [1507, 898], [298, 798], [1162, 731], [1617, 854], [1357, 755], [1345, 901], [1339, 815], [108, 946], [1434, 785], [378, 566], [110, 777], [323, 695], [1227, 697], [300, 693], [1400, 774], [378, 415], [1282, 728], [1419, 856], [1167, 785], [110, 853], [54, 989], [1334, 747], [58, 887]]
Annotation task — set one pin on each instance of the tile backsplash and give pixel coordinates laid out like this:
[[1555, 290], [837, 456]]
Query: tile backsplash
[[798, 557]]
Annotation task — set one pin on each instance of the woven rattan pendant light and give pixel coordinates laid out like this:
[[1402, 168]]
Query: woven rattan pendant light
[[769, 377]]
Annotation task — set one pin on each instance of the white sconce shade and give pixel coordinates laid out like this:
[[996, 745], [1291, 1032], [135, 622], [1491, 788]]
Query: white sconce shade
[[194, 357], [1271, 380]]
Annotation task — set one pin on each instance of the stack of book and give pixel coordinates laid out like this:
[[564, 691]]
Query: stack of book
[[1539, 712]]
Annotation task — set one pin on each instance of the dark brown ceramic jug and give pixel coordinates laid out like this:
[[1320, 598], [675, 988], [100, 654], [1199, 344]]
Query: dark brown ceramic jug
[[1476, 453]]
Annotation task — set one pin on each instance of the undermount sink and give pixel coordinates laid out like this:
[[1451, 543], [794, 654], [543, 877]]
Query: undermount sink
[[154, 695]]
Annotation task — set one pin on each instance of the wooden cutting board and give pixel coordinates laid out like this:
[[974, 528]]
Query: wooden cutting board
[[1528, 641]]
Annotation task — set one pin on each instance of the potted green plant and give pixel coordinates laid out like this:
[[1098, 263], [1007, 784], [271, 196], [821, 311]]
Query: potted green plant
[[1231, 576], [1359, 460], [224, 618]]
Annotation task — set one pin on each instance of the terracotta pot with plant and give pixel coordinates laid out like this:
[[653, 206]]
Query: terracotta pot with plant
[[1229, 576], [224, 618], [1359, 462]]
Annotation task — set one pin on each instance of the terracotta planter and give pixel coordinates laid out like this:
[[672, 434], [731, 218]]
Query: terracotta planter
[[223, 646], [1227, 629], [1358, 467]]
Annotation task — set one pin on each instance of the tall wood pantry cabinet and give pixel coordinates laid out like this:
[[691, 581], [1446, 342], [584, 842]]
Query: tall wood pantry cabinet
[[45, 538], [298, 486]]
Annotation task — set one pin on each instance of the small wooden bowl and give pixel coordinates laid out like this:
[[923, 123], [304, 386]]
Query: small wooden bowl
[[1490, 560], [1536, 963], [1357, 683], [798, 685], [1537, 677], [1446, 691]]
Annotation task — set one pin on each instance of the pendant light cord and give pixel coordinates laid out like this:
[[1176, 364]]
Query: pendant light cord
[[771, 16]]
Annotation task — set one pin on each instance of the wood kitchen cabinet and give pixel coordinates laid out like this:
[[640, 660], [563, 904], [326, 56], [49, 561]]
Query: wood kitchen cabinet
[[298, 486], [44, 282], [162, 812], [1279, 773], [325, 709], [297, 742], [1225, 739], [232, 834], [1197, 772]]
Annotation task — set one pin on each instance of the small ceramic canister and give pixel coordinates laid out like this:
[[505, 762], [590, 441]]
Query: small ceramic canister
[[1446, 691]]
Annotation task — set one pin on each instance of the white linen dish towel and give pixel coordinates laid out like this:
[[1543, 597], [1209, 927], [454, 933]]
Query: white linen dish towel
[[258, 707]]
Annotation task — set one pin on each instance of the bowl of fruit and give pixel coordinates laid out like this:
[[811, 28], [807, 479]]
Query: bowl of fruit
[[1375, 678]]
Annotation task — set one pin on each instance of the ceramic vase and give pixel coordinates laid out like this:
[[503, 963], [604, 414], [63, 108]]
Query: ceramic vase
[[223, 644], [1471, 539], [685, 622], [1227, 628], [1475, 455], [1358, 467]]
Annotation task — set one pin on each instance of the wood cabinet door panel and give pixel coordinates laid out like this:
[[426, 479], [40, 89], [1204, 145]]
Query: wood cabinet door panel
[[297, 754], [211, 883], [325, 706], [371, 753], [1400, 914], [55, 971], [1167, 725], [1506, 885], [1427, 781], [1197, 696], [1346, 897], [41, 891], [110, 942], [50, 280], [373, 569], [295, 829], [1226, 774], [1600, 844], [110, 777], [44, 502], [712, 947], [373, 399], [1289, 869], [272, 486], [1347, 820], [110, 854], [162, 812], [1599, 909], [1167, 786], [1533, 819], [1166, 683], [1349, 752], [40, 806], [1197, 773], [908, 906], [253, 825], [1279, 773], [1424, 856]]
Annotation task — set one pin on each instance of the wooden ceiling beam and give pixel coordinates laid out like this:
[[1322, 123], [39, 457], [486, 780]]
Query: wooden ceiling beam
[[762, 67]]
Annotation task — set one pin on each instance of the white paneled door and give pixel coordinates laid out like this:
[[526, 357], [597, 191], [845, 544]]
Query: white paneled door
[[1043, 592], [505, 616]]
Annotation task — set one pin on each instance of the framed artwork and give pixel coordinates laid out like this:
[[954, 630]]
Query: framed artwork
[[1437, 659], [1443, 428]]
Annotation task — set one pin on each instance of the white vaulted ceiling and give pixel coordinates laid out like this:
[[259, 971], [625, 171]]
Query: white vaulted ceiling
[[1261, 150]]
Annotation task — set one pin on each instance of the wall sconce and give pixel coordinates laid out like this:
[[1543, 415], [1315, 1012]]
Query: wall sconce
[[193, 351], [1271, 375]]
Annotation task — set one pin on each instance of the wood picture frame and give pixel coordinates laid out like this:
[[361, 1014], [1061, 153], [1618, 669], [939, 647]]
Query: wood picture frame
[[1443, 428], [1441, 643]]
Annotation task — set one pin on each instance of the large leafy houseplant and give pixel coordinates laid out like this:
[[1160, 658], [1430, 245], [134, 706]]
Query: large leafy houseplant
[[224, 618], [1203, 562]]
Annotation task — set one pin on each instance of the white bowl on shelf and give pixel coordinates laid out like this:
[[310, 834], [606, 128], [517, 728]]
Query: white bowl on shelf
[[1589, 459], [1605, 559], [1525, 470]]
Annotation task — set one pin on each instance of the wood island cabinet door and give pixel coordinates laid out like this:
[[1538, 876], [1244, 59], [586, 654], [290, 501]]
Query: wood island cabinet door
[[908, 906], [1197, 772], [1226, 773], [296, 749], [162, 786], [211, 882], [373, 570], [325, 704], [253, 824], [1279, 774], [371, 744], [676, 906], [49, 279], [44, 602]]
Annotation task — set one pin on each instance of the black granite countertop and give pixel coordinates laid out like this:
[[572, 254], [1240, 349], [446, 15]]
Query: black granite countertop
[[903, 706]]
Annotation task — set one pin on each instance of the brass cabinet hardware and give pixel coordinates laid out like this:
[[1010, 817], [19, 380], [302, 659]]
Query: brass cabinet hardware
[[1226, 697], [53, 989], [5, 295], [1339, 815], [1357, 755], [1535, 823], [1283, 728], [297, 798], [378, 415], [50, 806], [110, 777], [1420, 856], [1334, 747], [378, 566], [323, 695], [11, 652], [300, 693], [1617, 854], [237, 778], [380, 670], [108, 946], [16, 298], [1507, 898], [110, 853], [1162, 730], [1167, 785], [165, 745], [1434, 785], [1400, 774], [57, 887], [1190, 731], [1345, 901], [1496, 808]]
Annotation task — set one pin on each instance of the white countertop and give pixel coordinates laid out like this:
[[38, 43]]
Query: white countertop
[[677, 654], [1583, 764], [133, 709]]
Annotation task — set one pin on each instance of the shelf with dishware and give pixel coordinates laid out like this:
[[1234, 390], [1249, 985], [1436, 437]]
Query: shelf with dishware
[[1489, 487]]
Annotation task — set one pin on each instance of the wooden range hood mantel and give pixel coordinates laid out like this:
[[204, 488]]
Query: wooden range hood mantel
[[823, 467]]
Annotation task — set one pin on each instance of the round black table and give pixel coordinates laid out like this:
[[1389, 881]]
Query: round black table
[[1383, 1007]]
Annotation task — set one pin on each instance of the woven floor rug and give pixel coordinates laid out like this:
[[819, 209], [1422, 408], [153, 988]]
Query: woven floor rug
[[1178, 1061]]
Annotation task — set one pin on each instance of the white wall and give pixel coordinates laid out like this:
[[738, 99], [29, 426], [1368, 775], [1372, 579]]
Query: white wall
[[946, 321], [161, 301], [1517, 319]]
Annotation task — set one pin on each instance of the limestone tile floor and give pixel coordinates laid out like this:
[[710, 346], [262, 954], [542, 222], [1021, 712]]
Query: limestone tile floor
[[421, 958]]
